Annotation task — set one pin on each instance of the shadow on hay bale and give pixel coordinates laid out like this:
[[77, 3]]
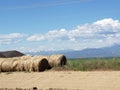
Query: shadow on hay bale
[[8, 54], [43, 65]]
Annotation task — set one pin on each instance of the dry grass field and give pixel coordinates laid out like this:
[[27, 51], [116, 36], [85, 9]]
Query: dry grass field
[[62, 80]]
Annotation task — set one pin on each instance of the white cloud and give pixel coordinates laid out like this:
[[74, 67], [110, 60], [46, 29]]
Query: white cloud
[[11, 38], [56, 34], [101, 33], [109, 22], [50, 35], [36, 37], [105, 32]]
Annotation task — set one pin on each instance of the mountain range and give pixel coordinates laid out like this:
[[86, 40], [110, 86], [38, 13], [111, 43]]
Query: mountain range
[[112, 51]]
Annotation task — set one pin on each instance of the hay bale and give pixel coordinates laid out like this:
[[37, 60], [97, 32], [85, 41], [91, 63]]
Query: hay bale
[[21, 62], [54, 60], [9, 54], [6, 65], [57, 60], [43, 64], [14, 65], [39, 63], [20, 65], [1, 61], [25, 63], [33, 64], [29, 63]]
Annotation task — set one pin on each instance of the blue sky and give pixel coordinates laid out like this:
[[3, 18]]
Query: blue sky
[[36, 25]]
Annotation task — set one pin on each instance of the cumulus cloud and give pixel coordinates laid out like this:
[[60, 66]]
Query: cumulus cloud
[[10, 38], [101, 33], [50, 35], [36, 38]]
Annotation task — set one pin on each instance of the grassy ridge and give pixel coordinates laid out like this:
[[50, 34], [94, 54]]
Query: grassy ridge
[[91, 64]]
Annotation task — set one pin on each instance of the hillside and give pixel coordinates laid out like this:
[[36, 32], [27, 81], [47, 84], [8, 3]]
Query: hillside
[[112, 51]]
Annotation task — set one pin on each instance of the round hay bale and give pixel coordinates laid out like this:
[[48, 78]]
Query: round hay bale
[[57, 60], [27, 65], [6, 65], [43, 57], [20, 65], [14, 65], [43, 64], [24, 63], [1, 61], [35, 63], [39, 63]]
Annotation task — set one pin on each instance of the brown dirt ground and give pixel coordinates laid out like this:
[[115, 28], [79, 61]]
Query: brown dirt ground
[[71, 80]]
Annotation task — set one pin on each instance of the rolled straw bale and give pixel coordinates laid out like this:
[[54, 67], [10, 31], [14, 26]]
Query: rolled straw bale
[[1, 61], [43, 57], [29, 63], [24, 63], [39, 63], [6, 65], [13, 64], [57, 60], [34, 63], [20, 65], [21, 62], [43, 64]]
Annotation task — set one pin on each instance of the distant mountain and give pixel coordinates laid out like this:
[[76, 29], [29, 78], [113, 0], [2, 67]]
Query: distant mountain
[[113, 51], [50, 52]]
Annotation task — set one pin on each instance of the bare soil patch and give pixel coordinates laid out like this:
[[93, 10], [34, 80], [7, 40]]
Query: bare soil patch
[[69, 80]]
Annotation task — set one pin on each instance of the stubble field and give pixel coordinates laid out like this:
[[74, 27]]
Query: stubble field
[[62, 80]]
